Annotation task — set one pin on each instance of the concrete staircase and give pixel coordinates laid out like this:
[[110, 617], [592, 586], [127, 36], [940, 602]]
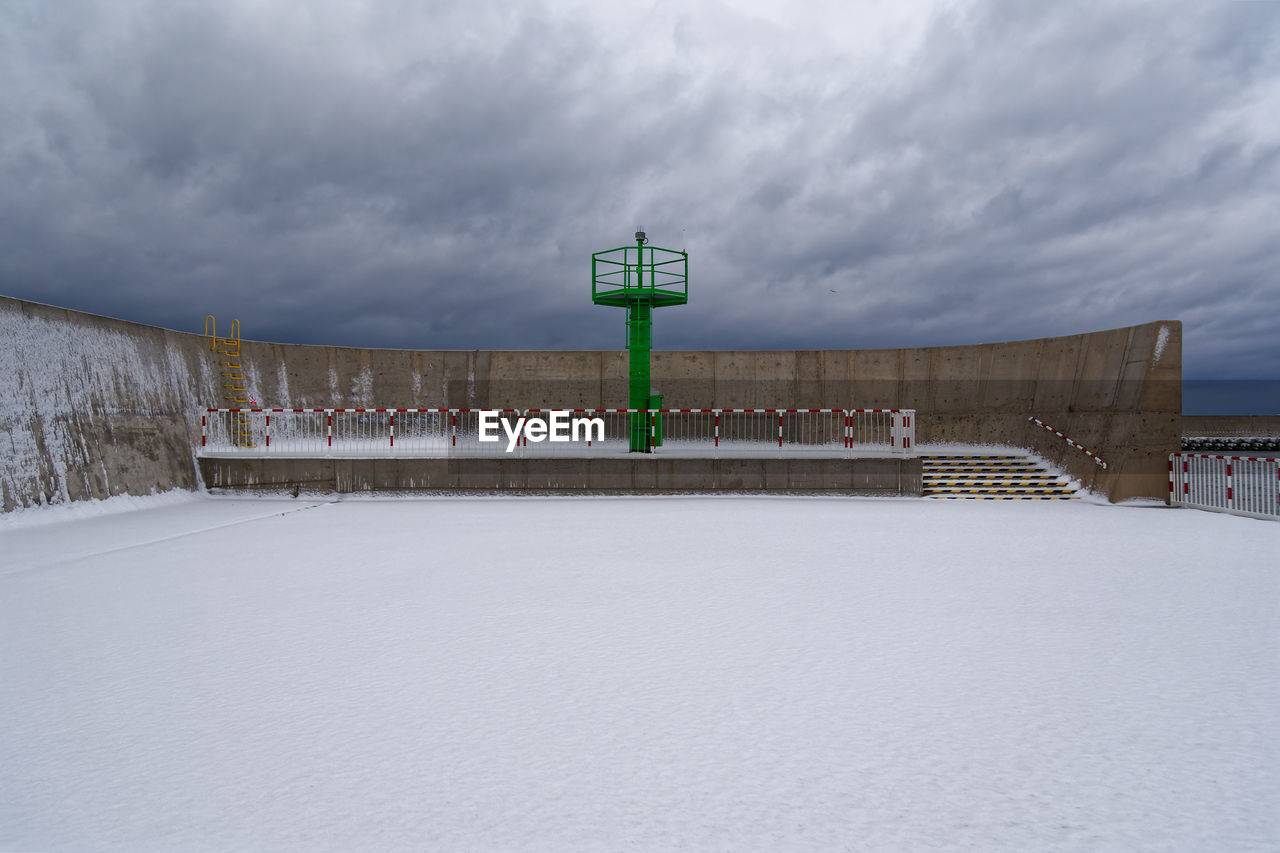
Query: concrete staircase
[[993, 477]]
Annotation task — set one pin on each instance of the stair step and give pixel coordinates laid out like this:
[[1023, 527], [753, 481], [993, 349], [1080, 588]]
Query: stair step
[[986, 457], [987, 484], [1004, 497], [992, 477], [978, 472], [977, 467], [928, 492], [978, 460], [986, 475], [997, 472], [975, 463], [1029, 466]]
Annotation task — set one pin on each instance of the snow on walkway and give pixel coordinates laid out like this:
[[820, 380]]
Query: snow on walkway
[[640, 673]]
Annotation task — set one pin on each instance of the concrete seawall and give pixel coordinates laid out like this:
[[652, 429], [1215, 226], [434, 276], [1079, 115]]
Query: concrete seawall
[[102, 406], [634, 475]]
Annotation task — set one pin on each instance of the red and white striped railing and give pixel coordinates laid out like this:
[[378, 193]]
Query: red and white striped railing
[[1086, 451], [446, 432], [1241, 485]]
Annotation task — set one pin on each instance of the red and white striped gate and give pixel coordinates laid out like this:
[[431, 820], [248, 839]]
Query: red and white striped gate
[[1240, 485]]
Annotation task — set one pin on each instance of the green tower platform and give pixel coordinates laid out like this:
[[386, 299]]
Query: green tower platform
[[640, 278]]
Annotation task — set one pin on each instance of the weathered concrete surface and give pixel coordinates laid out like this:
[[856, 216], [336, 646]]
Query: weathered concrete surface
[[94, 407], [1231, 425], [101, 406], [568, 476]]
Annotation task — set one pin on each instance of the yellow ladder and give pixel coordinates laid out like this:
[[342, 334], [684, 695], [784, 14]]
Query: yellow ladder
[[234, 387]]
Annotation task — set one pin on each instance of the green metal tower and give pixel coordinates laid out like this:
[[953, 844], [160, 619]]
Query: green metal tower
[[640, 279]]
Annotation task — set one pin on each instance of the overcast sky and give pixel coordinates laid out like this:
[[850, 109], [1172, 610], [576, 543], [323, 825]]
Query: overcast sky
[[401, 173]]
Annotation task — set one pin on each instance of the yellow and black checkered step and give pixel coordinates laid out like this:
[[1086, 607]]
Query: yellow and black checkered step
[[1070, 497], [970, 466], [1010, 490], [981, 457], [996, 464], [992, 477], [965, 483]]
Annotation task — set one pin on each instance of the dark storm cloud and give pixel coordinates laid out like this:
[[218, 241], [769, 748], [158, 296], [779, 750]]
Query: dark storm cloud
[[384, 174]]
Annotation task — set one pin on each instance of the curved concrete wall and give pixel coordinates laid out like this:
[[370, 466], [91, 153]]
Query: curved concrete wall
[[101, 406]]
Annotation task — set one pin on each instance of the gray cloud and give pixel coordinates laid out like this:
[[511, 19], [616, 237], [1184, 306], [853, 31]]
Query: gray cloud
[[396, 175]]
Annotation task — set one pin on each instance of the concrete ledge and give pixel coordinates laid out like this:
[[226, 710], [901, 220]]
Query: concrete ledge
[[643, 475], [1253, 426]]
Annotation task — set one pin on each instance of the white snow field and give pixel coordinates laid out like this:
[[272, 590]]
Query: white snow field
[[640, 674]]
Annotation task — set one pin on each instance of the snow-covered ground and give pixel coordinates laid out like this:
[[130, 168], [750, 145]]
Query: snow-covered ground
[[639, 673]]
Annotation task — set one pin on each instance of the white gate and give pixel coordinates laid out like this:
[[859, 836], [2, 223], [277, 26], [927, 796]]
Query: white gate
[[1241, 485]]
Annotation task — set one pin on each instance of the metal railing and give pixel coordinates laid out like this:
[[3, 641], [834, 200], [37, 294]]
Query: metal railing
[[1240, 485], [1086, 451], [707, 433]]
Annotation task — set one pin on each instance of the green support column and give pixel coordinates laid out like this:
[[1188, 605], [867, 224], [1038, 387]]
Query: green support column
[[639, 345]]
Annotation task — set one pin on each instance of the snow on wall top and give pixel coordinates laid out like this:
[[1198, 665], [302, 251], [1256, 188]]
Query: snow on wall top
[[1162, 340]]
